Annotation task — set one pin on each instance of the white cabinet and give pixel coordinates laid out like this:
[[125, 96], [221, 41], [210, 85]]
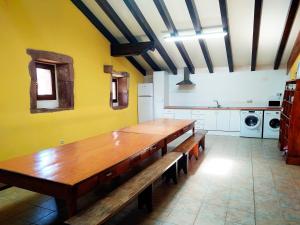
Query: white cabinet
[[210, 120], [223, 120], [183, 114], [235, 120], [169, 114]]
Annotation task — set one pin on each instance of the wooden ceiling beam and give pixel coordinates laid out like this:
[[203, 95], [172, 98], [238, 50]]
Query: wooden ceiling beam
[[256, 30], [294, 5], [294, 54], [131, 49], [163, 11], [110, 12], [138, 15], [102, 29], [198, 29], [224, 16]]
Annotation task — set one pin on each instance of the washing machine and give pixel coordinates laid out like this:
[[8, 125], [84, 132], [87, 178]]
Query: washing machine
[[251, 124], [271, 124]]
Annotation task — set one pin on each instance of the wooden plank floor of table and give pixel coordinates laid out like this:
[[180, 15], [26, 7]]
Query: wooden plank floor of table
[[66, 172]]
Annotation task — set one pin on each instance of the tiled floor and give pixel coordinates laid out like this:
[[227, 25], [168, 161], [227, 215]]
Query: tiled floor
[[238, 181]]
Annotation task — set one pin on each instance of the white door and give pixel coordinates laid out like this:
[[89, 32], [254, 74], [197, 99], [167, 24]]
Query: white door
[[145, 108], [223, 117], [145, 89]]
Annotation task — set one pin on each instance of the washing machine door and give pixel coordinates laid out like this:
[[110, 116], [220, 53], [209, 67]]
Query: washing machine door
[[274, 124], [252, 121]]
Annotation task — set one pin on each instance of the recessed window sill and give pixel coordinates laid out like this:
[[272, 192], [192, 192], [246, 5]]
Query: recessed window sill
[[45, 110]]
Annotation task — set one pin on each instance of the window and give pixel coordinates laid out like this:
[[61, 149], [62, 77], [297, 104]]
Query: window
[[119, 88], [52, 81], [114, 90], [46, 83]]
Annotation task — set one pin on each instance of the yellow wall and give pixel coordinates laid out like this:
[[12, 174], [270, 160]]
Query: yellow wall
[[55, 25], [293, 70]]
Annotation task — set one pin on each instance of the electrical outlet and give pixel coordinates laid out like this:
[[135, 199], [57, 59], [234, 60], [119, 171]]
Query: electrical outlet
[[61, 141]]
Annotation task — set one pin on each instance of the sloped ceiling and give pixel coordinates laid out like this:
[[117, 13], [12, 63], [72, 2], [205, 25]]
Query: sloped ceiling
[[240, 17]]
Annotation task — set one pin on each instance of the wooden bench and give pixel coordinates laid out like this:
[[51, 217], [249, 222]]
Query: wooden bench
[[140, 185], [190, 147]]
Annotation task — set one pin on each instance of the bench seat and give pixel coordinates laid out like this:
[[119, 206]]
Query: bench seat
[[140, 185], [190, 147]]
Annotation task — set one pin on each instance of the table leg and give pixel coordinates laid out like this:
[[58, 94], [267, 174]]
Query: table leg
[[164, 149], [67, 207]]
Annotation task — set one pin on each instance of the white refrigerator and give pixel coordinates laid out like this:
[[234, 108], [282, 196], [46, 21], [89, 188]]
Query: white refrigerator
[[145, 102]]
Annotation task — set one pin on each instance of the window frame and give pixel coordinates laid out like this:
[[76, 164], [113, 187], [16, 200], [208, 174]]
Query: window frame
[[50, 67], [115, 80]]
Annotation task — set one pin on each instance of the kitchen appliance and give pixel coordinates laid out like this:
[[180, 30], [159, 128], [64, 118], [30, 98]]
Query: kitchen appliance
[[186, 80], [271, 124], [145, 102], [273, 103], [251, 123]]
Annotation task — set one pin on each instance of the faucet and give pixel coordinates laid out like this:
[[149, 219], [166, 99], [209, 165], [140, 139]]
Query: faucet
[[218, 105]]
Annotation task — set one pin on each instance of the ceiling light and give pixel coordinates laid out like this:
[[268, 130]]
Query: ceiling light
[[195, 36], [186, 35]]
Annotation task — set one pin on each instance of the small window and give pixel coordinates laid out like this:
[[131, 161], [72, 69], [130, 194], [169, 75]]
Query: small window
[[114, 90], [46, 84], [119, 95], [52, 81]]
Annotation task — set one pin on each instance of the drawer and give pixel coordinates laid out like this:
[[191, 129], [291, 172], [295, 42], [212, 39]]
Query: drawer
[[198, 116], [115, 171], [169, 115], [187, 128], [169, 111], [198, 112], [173, 136]]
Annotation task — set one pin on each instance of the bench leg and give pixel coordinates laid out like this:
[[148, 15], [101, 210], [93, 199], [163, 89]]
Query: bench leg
[[171, 173], [202, 143], [145, 198], [183, 163]]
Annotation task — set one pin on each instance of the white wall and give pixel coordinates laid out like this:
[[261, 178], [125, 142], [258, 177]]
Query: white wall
[[230, 89]]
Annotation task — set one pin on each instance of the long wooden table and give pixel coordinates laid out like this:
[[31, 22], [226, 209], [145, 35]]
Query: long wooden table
[[70, 171]]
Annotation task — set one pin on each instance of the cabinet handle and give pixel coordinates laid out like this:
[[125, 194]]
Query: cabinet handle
[[108, 174]]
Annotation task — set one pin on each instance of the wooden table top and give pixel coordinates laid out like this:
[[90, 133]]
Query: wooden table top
[[159, 126], [71, 163]]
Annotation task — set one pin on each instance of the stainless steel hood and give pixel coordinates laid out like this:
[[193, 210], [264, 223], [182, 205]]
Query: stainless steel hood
[[186, 81]]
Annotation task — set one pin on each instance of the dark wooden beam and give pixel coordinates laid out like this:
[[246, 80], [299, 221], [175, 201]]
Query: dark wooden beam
[[162, 9], [136, 12], [131, 49], [110, 12], [223, 9], [294, 5], [256, 29], [198, 28], [294, 54], [102, 29]]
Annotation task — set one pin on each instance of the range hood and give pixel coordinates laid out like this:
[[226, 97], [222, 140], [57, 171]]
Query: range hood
[[186, 81]]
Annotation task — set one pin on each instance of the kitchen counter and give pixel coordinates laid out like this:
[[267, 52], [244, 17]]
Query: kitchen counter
[[224, 108]]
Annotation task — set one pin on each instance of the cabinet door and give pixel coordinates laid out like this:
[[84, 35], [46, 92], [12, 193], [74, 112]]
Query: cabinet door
[[235, 120], [168, 115], [210, 122], [183, 114], [223, 117]]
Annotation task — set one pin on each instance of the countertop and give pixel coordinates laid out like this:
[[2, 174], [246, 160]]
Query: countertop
[[224, 108]]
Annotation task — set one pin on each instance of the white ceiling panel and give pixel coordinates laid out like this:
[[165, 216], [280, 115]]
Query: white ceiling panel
[[209, 12], [273, 17], [123, 12], [241, 30], [143, 63], [98, 12], [216, 48]]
